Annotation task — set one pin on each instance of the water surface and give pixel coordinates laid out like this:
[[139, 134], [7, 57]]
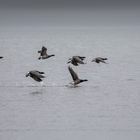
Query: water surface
[[105, 107]]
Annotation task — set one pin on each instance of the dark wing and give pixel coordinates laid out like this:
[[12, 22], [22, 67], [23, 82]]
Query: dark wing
[[44, 48], [101, 59], [36, 74], [104, 58], [43, 51], [78, 60], [82, 57], [39, 51], [73, 74], [37, 79], [40, 72]]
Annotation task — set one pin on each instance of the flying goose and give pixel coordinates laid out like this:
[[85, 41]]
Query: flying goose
[[36, 75], [1, 57], [99, 59], [75, 77], [43, 53], [76, 59]]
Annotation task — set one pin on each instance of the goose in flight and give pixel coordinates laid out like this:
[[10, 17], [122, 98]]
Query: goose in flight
[[75, 77], [36, 75], [43, 53], [1, 57], [75, 60], [99, 59]]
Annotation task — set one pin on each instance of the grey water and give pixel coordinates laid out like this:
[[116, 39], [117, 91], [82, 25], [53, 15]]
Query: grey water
[[106, 107]]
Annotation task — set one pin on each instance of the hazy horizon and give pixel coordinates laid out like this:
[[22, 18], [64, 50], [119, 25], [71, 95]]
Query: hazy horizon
[[68, 17], [70, 3], [65, 13]]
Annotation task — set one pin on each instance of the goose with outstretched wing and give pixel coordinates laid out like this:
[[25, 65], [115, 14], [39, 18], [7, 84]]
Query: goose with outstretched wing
[[75, 60], [43, 53], [76, 79], [36, 75]]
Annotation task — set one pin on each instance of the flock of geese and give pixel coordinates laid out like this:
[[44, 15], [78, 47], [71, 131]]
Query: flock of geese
[[75, 60]]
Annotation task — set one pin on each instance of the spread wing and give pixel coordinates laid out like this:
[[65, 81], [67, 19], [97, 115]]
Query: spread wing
[[40, 72], [43, 51], [78, 60], [104, 58], [101, 59], [82, 57], [73, 74], [37, 74], [37, 79]]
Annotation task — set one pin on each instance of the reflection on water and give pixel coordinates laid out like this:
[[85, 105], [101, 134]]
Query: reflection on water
[[36, 92]]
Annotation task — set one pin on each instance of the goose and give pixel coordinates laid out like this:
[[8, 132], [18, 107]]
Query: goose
[[99, 59], [75, 77], [43, 53], [36, 75], [76, 59], [1, 57]]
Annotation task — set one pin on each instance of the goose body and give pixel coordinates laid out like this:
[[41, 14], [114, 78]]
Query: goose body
[[99, 59], [76, 79], [43, 53], [75, 60], [36, 75]]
